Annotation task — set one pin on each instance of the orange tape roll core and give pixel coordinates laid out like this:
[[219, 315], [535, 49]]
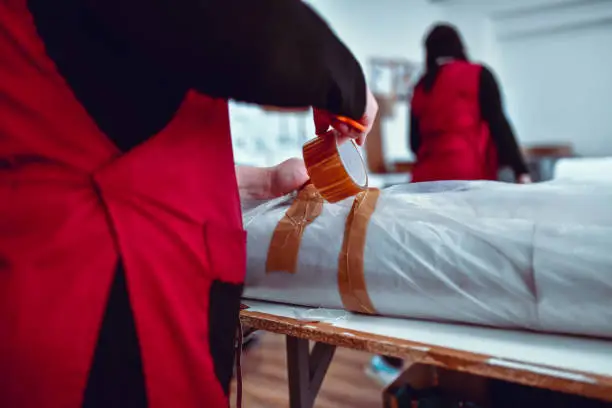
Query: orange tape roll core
[[337, 171]]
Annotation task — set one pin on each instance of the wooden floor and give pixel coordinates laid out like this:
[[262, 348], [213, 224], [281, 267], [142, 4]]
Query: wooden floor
[[265, 378]]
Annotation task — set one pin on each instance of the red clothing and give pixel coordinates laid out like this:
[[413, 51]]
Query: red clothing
[[71, 204], [455, 140]]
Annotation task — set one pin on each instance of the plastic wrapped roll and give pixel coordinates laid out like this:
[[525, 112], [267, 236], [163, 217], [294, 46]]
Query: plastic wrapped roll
[[514, 256]]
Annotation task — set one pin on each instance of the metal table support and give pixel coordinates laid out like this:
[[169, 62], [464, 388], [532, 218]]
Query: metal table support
[[306, 370]]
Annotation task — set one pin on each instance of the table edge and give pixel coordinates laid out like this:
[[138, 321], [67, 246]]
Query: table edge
[[558, 379]]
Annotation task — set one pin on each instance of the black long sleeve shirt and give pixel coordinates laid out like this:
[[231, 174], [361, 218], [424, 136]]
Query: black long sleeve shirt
[[492, 112], [272, 52]]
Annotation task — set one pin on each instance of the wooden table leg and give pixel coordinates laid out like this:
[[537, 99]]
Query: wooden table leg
[[306, 370]]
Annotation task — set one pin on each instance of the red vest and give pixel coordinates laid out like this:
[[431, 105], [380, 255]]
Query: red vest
[[455, 142], [71, 204]]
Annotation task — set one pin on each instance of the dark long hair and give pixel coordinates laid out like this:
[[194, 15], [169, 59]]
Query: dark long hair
[[442, 41]]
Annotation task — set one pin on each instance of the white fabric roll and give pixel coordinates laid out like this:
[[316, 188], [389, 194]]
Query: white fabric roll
[[518, 256]]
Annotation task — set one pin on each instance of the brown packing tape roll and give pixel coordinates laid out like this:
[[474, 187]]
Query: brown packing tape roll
[[285, 243], [337, 171], [351, 278]]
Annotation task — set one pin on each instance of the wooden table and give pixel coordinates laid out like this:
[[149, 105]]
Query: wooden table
[[573, 365]]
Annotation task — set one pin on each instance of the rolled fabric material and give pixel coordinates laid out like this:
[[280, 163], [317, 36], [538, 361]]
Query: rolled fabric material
[[514, 256]]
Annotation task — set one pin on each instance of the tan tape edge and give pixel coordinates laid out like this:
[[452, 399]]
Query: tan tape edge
[[351, 278], [285, 243]]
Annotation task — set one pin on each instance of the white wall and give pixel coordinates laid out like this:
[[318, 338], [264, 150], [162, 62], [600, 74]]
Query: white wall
[[391, 28], [554, 60], [473, 24], [557, 72]]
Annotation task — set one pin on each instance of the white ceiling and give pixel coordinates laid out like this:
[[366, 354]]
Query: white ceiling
[[501, 7]]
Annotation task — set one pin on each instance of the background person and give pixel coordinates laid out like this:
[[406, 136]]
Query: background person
[[458, 131], [458, 128]]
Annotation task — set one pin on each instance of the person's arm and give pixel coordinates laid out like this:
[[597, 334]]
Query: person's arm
[[492, 112], [264, 183], [268, 52]]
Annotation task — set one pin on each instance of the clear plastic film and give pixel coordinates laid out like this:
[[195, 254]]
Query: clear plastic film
[[533, 256], [319, 315]]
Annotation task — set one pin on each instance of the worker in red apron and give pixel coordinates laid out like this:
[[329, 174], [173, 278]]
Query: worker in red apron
[[122, 253], [458, 129]]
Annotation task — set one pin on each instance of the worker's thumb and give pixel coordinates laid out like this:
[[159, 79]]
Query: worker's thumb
[[288, 176]]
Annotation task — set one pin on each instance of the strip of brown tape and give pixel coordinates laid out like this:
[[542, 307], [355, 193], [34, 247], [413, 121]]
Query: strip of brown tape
[[351, 279], [285, 244]]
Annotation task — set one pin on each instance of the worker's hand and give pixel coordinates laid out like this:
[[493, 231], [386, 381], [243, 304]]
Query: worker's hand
[[288, 176], [524, 179], [324, 120], [263, 183]]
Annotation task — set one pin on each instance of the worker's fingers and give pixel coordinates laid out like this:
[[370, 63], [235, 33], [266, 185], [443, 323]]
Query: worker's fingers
[[360, 140], [342, 128], [341, 139], [323, 121], [264, 183], [358, 137], [370, 113], [288, 176], [524, 179]]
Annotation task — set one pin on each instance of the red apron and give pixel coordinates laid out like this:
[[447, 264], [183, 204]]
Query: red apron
[[71, 204], [455, 141]]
